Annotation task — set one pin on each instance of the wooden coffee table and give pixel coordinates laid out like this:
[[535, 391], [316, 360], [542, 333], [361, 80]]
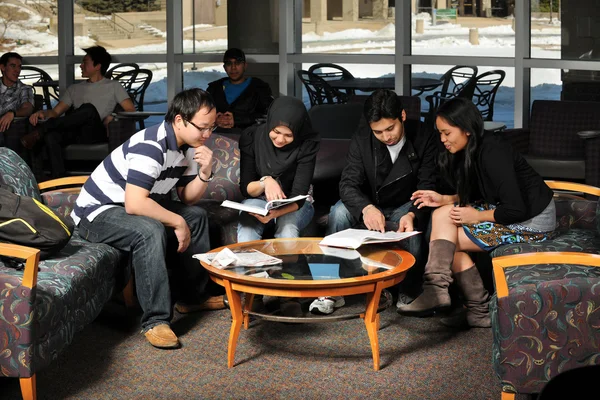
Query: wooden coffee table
[[310, 270]]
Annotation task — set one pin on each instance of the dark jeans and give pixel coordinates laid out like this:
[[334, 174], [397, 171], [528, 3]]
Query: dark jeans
[[153, 247], [340, 219], [82, 126]]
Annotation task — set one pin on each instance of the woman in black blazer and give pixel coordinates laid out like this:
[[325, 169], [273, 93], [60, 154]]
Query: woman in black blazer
[[499, 199]]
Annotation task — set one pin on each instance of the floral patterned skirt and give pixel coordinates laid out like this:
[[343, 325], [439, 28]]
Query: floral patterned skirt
[[489, 235]]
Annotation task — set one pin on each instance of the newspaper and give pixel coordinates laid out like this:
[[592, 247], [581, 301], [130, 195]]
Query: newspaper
[[227, 258]]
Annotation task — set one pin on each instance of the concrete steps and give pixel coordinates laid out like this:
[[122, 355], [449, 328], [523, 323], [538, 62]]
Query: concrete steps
[[103, 30]]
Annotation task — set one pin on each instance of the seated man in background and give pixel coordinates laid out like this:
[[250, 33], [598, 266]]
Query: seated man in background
[[389, 158], [240, 100], [93, 101], [126, 204], [16, 98]]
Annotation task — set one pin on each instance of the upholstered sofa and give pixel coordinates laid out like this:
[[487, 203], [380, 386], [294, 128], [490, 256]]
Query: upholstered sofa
[[546, 315], [44, 305]]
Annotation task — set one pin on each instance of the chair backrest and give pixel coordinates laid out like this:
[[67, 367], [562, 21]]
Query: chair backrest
[[486, 87], [119, 69], [15, 172], [554, 125], [458, 81], [411, 104], [336, 121], [30, 75], [332, 72], [319, 91], [135, 82]]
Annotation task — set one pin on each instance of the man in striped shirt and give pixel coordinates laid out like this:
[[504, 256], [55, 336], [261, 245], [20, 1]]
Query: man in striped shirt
[[126, 204]]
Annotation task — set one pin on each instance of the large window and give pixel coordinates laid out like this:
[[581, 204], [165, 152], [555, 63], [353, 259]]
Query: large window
[[448, 31], [204, 26], [362, 27], [131, 27], [31, 29]]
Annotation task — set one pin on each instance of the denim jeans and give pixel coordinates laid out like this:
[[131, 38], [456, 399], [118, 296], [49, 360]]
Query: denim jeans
[[151, 244], [286, 226], [340, 219]]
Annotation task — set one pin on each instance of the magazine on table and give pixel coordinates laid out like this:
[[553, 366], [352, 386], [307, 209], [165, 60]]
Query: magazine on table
[[354, 238], [262, 210], [243, 258]]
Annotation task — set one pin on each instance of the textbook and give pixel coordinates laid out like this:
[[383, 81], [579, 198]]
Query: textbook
[[354, 238], [262, 210]]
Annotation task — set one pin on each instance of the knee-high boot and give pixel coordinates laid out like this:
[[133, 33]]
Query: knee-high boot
[[476, 300], [436, 279]]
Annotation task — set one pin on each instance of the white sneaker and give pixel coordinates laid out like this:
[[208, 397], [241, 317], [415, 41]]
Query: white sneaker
[[326, 305]]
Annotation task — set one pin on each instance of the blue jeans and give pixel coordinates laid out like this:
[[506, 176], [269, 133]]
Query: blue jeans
[[286, 226], [340, 219], [151, 244]]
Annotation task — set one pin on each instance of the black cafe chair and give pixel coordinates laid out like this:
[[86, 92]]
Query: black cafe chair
[[331, 72], [319, 91]]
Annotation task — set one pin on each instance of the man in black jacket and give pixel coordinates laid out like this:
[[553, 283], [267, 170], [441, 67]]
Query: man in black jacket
[[240, 100], [389, 158]]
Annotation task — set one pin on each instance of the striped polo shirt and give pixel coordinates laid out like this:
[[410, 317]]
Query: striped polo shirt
[[149, 159]]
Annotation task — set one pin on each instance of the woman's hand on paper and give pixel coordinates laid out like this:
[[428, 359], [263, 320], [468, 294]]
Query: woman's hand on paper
[[264, 218], [273, 190]]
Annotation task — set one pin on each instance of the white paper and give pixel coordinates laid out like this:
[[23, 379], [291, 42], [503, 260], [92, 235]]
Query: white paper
[[242, 258], [354, 238], [260, 210]]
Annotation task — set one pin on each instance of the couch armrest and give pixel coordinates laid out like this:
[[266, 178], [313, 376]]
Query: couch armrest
[[31, 257], [60, 194], [588, 134], [518, 138], [592, 156]]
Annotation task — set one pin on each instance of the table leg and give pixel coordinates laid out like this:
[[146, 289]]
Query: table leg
[[372, 322], [247, 307], [235, 305]]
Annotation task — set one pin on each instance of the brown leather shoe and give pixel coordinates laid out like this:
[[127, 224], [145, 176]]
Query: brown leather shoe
[[162, 336], [212, 303]]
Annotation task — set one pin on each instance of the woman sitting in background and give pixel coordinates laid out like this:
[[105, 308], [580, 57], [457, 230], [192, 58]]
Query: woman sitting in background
[[500, 199], [277, 162]]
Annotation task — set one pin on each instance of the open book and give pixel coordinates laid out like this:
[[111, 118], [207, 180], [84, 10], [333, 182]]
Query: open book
[[354, 238], [262, 210]]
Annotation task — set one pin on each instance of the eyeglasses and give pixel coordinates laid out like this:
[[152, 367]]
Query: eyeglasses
[[229, 64], [208, 129]]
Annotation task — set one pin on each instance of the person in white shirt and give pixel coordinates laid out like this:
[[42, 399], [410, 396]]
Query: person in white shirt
[[92, 101], [389, 158]]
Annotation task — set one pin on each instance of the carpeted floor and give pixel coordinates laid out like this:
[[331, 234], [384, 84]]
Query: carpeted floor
[[420, 359]]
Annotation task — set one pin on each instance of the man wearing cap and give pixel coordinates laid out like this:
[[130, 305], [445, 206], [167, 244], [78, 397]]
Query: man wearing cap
[[240, 100]]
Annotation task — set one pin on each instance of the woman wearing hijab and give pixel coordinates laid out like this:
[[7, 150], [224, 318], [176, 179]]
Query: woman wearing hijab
[[277, 162], [499, 199]]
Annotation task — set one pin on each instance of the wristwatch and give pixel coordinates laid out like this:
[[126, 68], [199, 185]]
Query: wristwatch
[[262, 181], [210, 178]]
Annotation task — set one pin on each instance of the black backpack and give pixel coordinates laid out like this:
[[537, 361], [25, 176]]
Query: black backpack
[[26, 221]]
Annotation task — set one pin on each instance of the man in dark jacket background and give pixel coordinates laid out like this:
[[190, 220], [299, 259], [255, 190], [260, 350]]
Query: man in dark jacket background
[[389, 158], [240, 100]]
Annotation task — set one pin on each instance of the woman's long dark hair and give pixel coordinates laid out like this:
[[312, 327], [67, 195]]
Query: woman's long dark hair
[[459, 168]]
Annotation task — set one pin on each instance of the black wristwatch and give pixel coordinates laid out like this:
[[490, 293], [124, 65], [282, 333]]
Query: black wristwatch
[[210, 178]]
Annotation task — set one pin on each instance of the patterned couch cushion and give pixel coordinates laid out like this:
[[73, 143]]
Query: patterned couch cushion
[[71, 290], [226, 182], [577, 221], [15, 173], [548, 323]]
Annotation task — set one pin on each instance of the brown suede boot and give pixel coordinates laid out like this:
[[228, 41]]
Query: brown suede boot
[[476, 300], [436, 279]]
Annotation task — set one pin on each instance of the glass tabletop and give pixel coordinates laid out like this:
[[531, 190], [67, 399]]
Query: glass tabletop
[[304, 260]]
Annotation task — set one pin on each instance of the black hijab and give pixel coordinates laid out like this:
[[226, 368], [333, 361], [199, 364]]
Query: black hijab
[[290, 112]]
